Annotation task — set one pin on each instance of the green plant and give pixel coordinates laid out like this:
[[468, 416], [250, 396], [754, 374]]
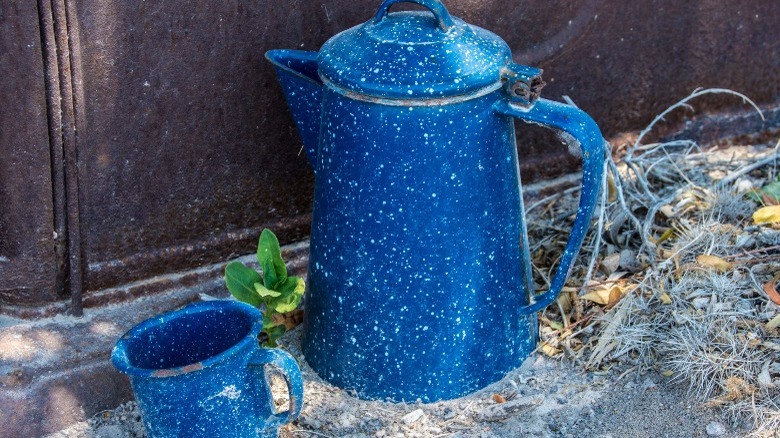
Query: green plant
[[767, 195], [273, 292]]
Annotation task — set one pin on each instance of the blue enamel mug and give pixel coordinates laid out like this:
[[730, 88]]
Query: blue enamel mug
[[200, 372], [420, 279]]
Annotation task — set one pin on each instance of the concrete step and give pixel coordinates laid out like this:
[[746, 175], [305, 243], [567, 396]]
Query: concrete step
[[57, 371]]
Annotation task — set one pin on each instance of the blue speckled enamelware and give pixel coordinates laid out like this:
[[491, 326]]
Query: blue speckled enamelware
[[199, 372], [419, 276]]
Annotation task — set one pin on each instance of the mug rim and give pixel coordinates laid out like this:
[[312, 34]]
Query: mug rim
[[121, 361]]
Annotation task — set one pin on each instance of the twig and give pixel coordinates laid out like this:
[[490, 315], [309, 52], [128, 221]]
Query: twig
[[640, 177], [684, 103], [622, 199], [552, 197], [765, 249], [645, 228], [757, 260], [594, 255], [453, 419], [747, 169], [625, 373]]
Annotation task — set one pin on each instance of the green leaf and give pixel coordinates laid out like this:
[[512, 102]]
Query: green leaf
[[288, 304], [275, 333], [767, 195], [270, 257], [268, 321], [291, 293], [240, 281], [271, 329], [293, 285], [263, 292], [754, 195], [773, 190]]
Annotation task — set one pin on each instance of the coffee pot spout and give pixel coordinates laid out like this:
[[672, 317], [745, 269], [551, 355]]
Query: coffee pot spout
[[297, 73]]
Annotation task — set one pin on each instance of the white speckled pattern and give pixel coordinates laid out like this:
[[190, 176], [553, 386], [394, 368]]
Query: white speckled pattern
[[419, 277]]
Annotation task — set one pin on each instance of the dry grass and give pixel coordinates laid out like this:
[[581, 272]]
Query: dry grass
[[699, 321]]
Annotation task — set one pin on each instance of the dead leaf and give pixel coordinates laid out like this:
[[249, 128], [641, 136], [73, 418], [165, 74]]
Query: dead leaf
[[564, 299], [767, 215], [773, 323], [769, 199], [665, 298], [600, 296], [612, 190], [666, 235], [556, 325], [607, 295], [289, 319], [610, 264], [771, 290], [711, 261], [549, 350], [736, 389], [667, 211], [498, 398]]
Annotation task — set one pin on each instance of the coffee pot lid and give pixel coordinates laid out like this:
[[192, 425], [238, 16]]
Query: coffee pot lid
[[413, 55]]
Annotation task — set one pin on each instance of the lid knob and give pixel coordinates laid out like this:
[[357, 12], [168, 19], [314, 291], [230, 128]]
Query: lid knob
[[435, 6]]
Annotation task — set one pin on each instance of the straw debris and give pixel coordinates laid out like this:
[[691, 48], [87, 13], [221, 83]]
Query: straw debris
[[682, 267]]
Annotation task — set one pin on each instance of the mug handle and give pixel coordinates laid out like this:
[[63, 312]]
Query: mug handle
[[581, 127], [292, 376]]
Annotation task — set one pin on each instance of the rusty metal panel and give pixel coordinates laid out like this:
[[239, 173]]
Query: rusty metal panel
[[625, 62], [28, 265], [186, 148]]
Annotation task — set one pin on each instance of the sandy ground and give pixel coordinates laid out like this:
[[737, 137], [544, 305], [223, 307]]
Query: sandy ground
[[545, 398]]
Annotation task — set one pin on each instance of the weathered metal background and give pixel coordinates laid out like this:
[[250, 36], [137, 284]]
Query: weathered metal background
[[171, 145], [28, 263]]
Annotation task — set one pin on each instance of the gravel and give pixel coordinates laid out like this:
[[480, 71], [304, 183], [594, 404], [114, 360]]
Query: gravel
[[544, 398]]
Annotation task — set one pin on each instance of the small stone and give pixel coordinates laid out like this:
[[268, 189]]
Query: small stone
[[380, 433], [502, 411], [743, 185], [610, 264], [715, 428], [648, 384], [347, 420], [449, 413], [413, 416], [628, 260]]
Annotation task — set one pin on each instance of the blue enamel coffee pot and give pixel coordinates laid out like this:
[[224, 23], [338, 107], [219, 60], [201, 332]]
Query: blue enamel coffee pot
[[420, 279]]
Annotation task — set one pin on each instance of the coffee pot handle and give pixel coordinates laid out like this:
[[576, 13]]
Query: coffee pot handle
[[438, 9], [580, 127], [292, 376]]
